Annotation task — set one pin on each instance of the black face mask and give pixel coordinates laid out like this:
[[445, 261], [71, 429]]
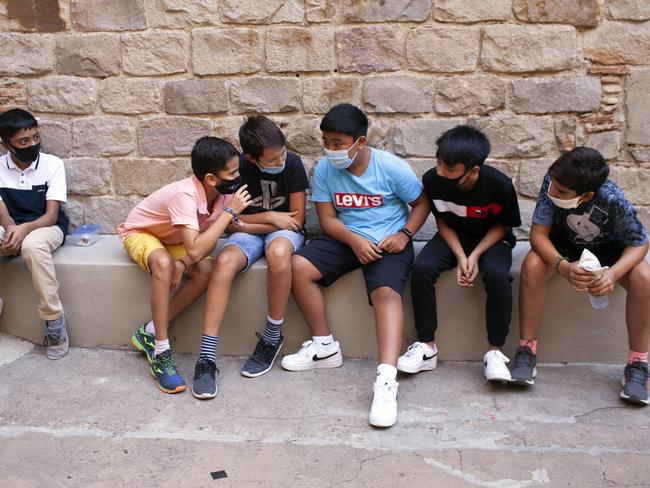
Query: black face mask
[[28, 154], [449, 184], [227, 187]]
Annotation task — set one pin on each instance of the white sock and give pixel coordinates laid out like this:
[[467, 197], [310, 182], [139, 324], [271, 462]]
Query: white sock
[[386, 373], [149, 328], [161, 346], [325, 343], [432, 350]]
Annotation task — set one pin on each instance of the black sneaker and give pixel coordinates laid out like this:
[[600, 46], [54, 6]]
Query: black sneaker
[[524, 371], [635, 383], [263, 357], [205, 381]]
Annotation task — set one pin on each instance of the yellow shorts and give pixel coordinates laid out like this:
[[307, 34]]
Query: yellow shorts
[[141, 244]]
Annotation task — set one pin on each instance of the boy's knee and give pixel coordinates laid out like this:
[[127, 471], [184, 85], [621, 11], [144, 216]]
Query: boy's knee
[[279, 255], [640, 277], [32, 245], [161, 263], [533, 268], [228, 261], [496, 276], [422, 271], [301, 268], [384, 294]]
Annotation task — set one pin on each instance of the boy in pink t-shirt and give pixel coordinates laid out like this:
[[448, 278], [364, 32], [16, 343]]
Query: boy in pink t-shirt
[[172, 232]]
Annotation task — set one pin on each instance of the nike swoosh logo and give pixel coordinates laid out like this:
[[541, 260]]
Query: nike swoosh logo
[[316, 358], [426, 358]]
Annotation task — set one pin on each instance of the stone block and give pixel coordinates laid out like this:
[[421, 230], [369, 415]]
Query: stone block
[[34, 15], [62, 94], [108, 15], [144, 176], [638, 107], [380, 133], [618, 43], [303, 135], [30, 54], [170, 136], [421, 166], [581, 13], [256, 12], [130, 96], [13, 94], [228, 128], [265, 95], [300, 49], [526, 209], [216, 52], [476, 94], [608, 143], [370, 49], [155, 53], [460, 11], [182, 14], [522, 48], [196, 96], [531, 176], [88, 55], [418, 137], [321, 94], [629, 9], [397, 94], [640, 153], [320, 10], [514, 136], [395, 10], [56, 137], [555, 94], [74, 209], [443, 49], [102, 136], [88, 176], [109, 211], [634, 182], [507, 167]]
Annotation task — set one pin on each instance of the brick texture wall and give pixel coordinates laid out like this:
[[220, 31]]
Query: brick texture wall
[[124, 87]]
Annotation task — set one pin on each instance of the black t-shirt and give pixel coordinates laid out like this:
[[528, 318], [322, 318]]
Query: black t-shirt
[[473, 213], [271, 192]]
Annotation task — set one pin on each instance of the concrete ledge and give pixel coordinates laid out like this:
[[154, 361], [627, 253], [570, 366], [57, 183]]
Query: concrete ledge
[[106, 297]]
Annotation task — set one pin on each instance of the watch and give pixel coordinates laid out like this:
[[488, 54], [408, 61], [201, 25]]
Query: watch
[[408, 233], [558, 260], [235, 219]]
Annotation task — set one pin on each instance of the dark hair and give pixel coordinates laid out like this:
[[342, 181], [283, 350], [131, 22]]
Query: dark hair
[[258, 133], [15, 120], [210, 155], [582, 169], [463, 144], [346, 119]]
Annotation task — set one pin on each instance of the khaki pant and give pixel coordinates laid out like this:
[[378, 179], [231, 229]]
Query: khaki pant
[[37, 251]]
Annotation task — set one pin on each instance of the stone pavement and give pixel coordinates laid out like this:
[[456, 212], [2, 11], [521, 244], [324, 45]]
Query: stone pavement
[[96, 419]]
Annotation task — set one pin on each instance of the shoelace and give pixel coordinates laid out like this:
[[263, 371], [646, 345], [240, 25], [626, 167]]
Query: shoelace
[[385, 394], [524, 357], [637, 372], [263, 348], [52, 338], [168, 365], [205, 366]]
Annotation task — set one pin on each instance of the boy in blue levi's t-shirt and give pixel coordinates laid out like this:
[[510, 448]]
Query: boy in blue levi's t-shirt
[[362, 198]]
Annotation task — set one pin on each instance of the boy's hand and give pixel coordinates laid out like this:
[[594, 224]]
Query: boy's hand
[[285, 220], [394, 243], [240, 199], [179, 269], [462, 272], [471, 270], [14, 239], [365, 251], [603, 285], [577, 277]]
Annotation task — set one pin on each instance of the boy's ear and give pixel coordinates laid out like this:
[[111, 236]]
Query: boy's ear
[[211, 180], [250, 158], [587, 196]]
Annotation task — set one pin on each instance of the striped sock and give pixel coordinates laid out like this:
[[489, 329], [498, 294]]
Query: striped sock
[[639, 356], [209, 347], [272, 330], [160, 346]]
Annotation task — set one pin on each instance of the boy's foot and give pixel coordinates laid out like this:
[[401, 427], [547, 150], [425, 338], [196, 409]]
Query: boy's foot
[[311, 356], [144, 342], [263, 357], [383, 412], [635, 383], [418, 357], [56, 338], [495, 366], [205, 382], [524, 371], [164, 371]]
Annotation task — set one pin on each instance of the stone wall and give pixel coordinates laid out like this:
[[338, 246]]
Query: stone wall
[[124, 87]]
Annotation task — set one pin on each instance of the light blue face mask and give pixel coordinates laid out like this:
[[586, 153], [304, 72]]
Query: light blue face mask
[[340, 159], [273, 170]]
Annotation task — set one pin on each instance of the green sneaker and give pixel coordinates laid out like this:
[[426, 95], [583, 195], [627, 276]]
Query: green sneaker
[[164, 371], [144, 342]]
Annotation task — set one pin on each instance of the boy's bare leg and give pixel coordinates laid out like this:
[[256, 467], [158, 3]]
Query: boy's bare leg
[[199, 276], [637, 306], [389, 320], [308, 295], [535, 274], [278, 281], [230, 261], [161, 266]]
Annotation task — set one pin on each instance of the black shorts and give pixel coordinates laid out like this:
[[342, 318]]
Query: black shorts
[[334, 259], [607, 254]]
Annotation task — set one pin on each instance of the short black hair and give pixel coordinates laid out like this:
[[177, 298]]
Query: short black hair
[[15, 120], [210, 155], [258, 133], [346, 119], [582, 169], [463, 144]]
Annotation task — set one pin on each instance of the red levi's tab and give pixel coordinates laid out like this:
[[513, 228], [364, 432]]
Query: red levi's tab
[[358, 200], [483, 212]]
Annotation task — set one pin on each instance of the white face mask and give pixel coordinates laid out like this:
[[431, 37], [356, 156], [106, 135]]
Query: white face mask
[[565, 204], [340, 159]]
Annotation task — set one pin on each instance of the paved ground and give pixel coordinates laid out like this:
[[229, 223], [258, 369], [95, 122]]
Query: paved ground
[[95, 419]]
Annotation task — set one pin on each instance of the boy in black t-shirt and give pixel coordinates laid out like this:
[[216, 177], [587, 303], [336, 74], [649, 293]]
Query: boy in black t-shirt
[[272, 226], [475, 207]]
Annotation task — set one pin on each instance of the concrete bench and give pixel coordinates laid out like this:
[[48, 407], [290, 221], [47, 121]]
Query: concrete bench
[[106, 297]]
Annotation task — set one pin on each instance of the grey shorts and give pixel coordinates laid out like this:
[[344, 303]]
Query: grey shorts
[[254, 245]]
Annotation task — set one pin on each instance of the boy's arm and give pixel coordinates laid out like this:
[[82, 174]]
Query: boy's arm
[[200, 244], [419, 212], [270, 221], [5, 218], [16, 233], [632, 255]]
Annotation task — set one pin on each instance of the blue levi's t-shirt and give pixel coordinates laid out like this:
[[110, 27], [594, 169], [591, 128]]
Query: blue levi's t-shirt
[[375, 204]]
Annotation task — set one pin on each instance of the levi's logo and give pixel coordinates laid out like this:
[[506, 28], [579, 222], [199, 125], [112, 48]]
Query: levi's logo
[[357, 200]]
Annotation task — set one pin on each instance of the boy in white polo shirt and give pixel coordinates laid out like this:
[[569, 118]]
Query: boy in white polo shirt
[[32, 189]]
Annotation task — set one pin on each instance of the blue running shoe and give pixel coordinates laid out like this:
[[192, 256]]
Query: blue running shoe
[[163, 369], [144, 342]]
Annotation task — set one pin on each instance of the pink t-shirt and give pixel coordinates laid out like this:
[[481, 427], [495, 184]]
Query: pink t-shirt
[[182, 203]]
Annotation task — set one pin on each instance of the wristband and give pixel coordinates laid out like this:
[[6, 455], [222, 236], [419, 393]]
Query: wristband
[[408, 233], [558, 260], [235, 220]]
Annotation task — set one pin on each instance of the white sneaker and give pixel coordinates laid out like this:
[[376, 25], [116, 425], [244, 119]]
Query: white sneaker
[[310, 356], [495, 366], [383, 412], [419, 356]]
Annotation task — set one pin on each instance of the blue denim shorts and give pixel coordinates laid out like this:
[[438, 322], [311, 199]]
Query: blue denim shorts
[[254, 245]]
